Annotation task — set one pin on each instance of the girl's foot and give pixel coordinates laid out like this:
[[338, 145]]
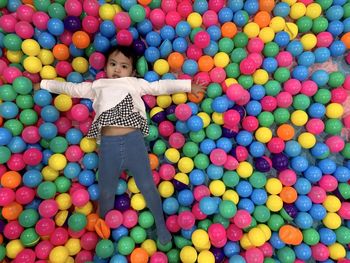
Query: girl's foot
[[164, 236]]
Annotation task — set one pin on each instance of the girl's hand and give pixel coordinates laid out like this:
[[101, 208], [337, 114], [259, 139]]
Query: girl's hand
[[36, 86], [197, 88]]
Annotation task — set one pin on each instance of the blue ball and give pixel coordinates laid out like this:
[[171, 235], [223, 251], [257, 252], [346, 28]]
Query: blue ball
[[276, 242], [303, 203], [119, 232], [300, 73], [318, 212], [180, 45], [346, 23], [42, 98], [195, 123], [207, 145], [237, 259], [257, 92], [182, 127], [5, 136], [74, 136], [200, 6], [185, 197], [46, 156], [94, 192], [17, 145], [335, 12], [306, 59], [122, 187], [86, 177], [49, 113], [168, 76], [295, 48], [303, 251], [197, 177], [231, 248], [107, 29], [12, 6], [327, 166], [224, 144], [193, 106], [313, 174], [302, 186], [153, 39], [214, 172], [241, 18], [208, 205], [48, 130], [335, 28], [299, 163], [187, 233], [152, 54], [253, 108], [46, 40], [319, 150], [225, 15], [303, 220], [322, 54], [321, 77], [316, 110], [251, 6], [257, 149], [151, 76], [327, 236], [190, 67], [337, 48], [235, 5], [342, 174], [220, 104], [214, 32], [118, 259], [55, 26], [183, 29], [127, 4], [8, 110], [32, 178], [135, 34], [90, 161], [259, 196], [75, 77], [167, 32], [292, 148], [244, 189], [270, 64], [211, 49], [281, 9], [246, 204], [244, 138], [282, 39], [170, 206], [144, 27]]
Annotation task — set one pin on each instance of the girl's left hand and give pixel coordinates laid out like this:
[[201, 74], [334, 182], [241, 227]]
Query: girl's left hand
[[197, 88]]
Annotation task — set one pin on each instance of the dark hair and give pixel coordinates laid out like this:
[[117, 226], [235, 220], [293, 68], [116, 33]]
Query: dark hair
[[127, 51]]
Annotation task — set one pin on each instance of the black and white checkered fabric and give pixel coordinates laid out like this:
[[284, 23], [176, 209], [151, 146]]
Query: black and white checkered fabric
[[121, 115]]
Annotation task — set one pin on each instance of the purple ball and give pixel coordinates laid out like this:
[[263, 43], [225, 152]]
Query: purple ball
[[291, 210], [122, 202], [72, 23], [2, 226], [159, 117], [179, 185], [139, 47], [218, 254], [228, 133], [262, 165], [240, 110], [280, 161]]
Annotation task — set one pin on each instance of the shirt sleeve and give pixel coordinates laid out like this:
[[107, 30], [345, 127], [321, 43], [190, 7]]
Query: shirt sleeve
[[162, 87], [75, 90]]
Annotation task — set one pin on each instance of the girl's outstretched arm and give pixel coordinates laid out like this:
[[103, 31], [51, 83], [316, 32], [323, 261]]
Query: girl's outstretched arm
[[75, 90]]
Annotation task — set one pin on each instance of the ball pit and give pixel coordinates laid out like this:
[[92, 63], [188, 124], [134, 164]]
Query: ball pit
[[255, 170]]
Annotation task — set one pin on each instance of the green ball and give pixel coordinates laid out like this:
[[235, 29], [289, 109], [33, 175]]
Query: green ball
[[197, 136], [3, 3], [173, 256], [281, 115], [46, 190], [261, 213], [281, 74], [12, 42], [63, 184], [311, 236], [146, 219], [155, 4], [42, 5], [56, 10], [44, 143], [22, 85], [58, 144], [320, 24], [25, 101], [141, 66], [138, 234], [15, 126], [213, 131], [240, 40], [137, 13], [344, 189], [325, 4], [89, 50], [257, 180], [301, 102], [214, 90], [343, 235], [218, 218], [153, 133], [190, 149], [238, 54], [226, 45], [204, 224], [230, 178], [232, 71], [285, 215], [7, 93], [206, 105], [246, 81], [304, 24], [5, 154], [266, 119], [275, 222], [272, 88], [159, 147], [28, 117], [201, 161], [336, 79], [269, 260], [29, 237], [227, 209], [333, 126], [286, 255], [322, 96], [164, 248], [28, 218], [105, 248], [271, 49], [346, 9], [252, 225], [125, 245], [181, 242], [77, 221], [2, 248]]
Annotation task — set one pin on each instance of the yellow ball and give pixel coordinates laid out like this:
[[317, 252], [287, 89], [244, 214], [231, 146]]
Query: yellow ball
[[63, 201], [185, 165], [188, 254], [48, 72], [183, 178], [256, 237], [217, 187], [267, 34], [221, 59], [336, 251], [13, 247], [334, 110], [263, 134], [274, 203], [194, 19], [161, 66], [266, 230], [57, 161], [277, 24], [307, 140], [132, 187], [231, 195], [260, 77], [70, 260], [166, 189], [46, 57], [116, 7], [313, 10], [14, 56], [150, 246], [88, 145], [299, 118], [172, 155], [106, 12], [308, 41], [138, 202], [332, 220], [297, 10], [251, 29], [332, 203], [291, 29], [73, 246], [230, 81], [80, 65], [244, 169], [59, 254], [179, 98], [49, 174], [205, 118], [200, 238], [273, 186], [30, 47], [206, 256], [85, 209], [245, 242], [61, 217], [290, 2], [32, 64], [164, 101], [63, 102], [218, 118]]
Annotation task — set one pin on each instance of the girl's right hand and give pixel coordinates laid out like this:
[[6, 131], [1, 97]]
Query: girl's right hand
[[36, 86]]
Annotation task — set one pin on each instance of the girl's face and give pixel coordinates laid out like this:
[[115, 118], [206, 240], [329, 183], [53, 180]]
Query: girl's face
[[119, 66]]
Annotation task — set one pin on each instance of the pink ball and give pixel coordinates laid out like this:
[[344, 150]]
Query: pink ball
[[150, 101], [79, 112], [171, 224], [320, 252], [235, 92], [167, 171], [24, 29], [284, 99], [76, 234], [97, 60], [83, 256], [255, 45], [231, 163], [216, 5], [7, 196], [284, 59], [315, 126], [13, 230], [73, 7], [90, 24], [168, 5], [231, 118], [157, 18], [317, 195], [268, 103], [43, 249], [241, 153], [309, 88], [48, 208], [183, 112], [80, 197], [3, 65], [124, 37], [339, 95], [63, 68], [85, 125], [344, 210], [8, 23], [74, 153], [32, 156], [114, 219], [276, 145], [25, 195], [242, 218], [166, 128], [292, 86], [287, 177], [219, 243], [130, 218], [346, 121], [59, 236], [89, 240], [63, 124], [184, 8], [254, 255], [186, 220], [234, 233], [210, 18], [217, 75], [45, 226], [250, 123], [66, 38], [216, 232], [176, 140], [196, 211], [346, 83], [328, 182], [30, 134], [40, 20], [218, 157], [25, 13], [247, 66], [35, 78], [172, 18], [11, 73], [158, 257], [200, 191], [194, 52], [91, 7], [324, 39], [16, 162], [335, 144], [122, 20], [266, 249], [258, 59], [25, 256]]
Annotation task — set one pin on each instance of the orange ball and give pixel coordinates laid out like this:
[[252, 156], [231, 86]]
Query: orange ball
[[1, 121], [290, 235], [60, 52], [262, 18], [153, 160], [228, 29], [139, 255], [288, 195], [191, 97], [285, 132], [1, 239], [144, 2], [205, 63], [11, 179], [346, 39], [81, 39], [175, 60], [12, 211], [91, 221], [266, 5]]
